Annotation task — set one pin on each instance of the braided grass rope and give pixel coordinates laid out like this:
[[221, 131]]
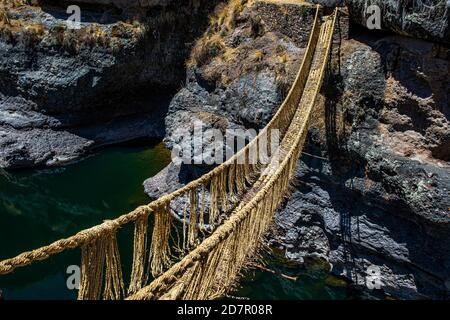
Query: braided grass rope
[[242, 180]]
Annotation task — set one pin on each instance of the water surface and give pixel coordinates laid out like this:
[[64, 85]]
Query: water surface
[[43, 205]]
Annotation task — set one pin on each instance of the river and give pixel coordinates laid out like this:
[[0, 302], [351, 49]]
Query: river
[[38, 206]]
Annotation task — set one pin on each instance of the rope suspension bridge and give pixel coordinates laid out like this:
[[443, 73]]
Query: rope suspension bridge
[[182, 258]]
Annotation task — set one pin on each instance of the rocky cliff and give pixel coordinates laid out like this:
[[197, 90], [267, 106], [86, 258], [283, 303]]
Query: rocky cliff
[[64, 91], [238, 74], [372, 186], [424, 19]]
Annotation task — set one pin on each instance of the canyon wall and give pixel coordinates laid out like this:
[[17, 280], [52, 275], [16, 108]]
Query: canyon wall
[[64, 92]]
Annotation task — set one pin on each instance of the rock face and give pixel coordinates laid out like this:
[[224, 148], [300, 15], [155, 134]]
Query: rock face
[[243, 81], [130, 8], [63, 92], [378, 192], [427, 19], [420, 19], [372, 190], [238, 73]]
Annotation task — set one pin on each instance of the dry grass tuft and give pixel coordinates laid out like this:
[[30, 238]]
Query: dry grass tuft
[[15, 30], [18, 31], [128, 30], [258, 56], [221, 57], [284, 10], [29, 33], [12, 3], [206, 49], [212, 44], [224, 20]]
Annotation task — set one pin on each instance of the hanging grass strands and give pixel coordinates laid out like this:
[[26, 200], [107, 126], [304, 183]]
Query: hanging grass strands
[[185, 226], [92, 266], [223, 190], [240, 179], [160, 248], [202, 209], [214, 196], [247, 171], [190, 281], [193, 217], [203, 282], [114, 287], [231, 182], [139, 254], [177, 241]]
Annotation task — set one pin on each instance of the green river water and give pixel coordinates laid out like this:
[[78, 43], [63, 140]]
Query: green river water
[[42, 205]]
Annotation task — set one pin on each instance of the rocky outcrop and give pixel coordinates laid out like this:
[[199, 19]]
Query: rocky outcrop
[[419, 19], [424, 19], [127, 3], [63, 92], [243, 81], [238, 73], [129, 8], [372, 184]]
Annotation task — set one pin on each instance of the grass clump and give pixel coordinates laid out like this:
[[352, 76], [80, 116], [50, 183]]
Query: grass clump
[[20, 24], [95, 35], [221, 23], [206, 49], [28, 33], [258, 56], [18, 31], [226, 15]]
